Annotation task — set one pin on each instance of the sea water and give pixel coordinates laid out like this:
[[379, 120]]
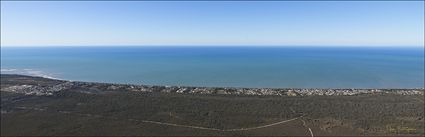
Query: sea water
[[220, 66]]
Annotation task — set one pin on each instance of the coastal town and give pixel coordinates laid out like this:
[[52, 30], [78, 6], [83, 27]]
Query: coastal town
[[91, 87]]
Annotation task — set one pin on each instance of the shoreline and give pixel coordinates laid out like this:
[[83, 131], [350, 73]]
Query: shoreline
[[234, 87], [99, 87]]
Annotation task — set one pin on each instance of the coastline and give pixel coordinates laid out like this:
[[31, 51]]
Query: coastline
[[61, 85], [28, 72]]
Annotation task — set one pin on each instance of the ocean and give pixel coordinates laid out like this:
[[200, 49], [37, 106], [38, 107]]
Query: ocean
[[219, 66]]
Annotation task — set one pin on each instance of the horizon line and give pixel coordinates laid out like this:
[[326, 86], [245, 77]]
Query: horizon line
[[213, 45]]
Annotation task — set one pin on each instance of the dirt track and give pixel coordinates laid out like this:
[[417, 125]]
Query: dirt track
[[172, 124]]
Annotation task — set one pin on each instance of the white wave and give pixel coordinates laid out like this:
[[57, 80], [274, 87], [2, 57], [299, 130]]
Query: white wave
[[29, 72], [7, 70]]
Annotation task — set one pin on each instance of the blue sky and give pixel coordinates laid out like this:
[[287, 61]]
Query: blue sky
[[368, 23]]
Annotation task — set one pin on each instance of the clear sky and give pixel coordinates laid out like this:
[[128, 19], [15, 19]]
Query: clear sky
[[367, 23]]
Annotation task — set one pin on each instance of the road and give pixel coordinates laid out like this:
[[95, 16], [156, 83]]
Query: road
[[309, 129]]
